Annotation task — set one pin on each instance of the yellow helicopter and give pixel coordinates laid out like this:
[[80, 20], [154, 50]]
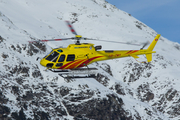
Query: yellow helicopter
[[79, 55]]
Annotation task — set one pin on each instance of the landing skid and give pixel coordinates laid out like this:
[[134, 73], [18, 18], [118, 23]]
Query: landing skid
[[74, 76], [77, 73]]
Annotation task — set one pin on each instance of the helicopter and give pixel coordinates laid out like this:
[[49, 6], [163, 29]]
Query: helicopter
[[79, 55]]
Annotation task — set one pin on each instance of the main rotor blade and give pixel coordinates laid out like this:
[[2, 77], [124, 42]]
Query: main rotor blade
[[113, 41], [71, 28], [49, 40]]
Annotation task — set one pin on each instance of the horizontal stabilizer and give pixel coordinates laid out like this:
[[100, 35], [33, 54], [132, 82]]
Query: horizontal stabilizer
[[134, 56]]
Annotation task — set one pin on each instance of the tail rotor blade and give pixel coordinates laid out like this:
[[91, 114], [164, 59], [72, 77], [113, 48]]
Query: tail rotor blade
[[71, 28], [145, 44]]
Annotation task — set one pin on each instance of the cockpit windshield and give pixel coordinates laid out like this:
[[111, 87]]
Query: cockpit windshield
[[53, 56]]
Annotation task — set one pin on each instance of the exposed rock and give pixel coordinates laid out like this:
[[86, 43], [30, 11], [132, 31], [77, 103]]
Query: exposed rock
[[144, 93], [3, 99], [170, 94], [82, 95], [177, 46], [137, 71], [139, 25], [40, 115], [15, 90], [102, 110], [37, 74], [19, 116], [119, 89], [102, 79], [4, 112], [34, 48], [64, 90], [29, 96], [4, 55], [1, 39], [106, 68]]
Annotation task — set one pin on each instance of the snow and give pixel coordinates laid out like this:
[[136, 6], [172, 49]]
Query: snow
[[25, 20]]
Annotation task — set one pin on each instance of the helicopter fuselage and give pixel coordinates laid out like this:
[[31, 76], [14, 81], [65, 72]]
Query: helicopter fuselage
[[80, 55]]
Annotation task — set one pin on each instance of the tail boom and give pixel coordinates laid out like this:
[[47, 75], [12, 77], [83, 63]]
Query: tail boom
[[111, 54]]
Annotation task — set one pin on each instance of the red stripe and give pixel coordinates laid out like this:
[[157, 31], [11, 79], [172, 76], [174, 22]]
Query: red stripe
[[129, 51], [44, 40], [134, 51], [74, 64], [57, 39], [72, 30], [62, 67], [88, 61], [69, 25]]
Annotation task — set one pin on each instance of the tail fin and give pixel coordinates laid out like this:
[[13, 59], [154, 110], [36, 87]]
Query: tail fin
[[151, 47], [149, 57]]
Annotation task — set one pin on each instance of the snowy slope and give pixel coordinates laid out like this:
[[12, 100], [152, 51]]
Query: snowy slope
[[123, 89]]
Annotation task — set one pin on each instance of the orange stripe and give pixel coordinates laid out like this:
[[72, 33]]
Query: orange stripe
[[129, 51], [78, 63], [62, 67], [88, 61], [134, 51], [75, 64]]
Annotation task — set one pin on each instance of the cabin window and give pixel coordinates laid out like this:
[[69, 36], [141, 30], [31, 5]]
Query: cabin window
[[59, 64], [61, 59], [53, 56], [70, 57]]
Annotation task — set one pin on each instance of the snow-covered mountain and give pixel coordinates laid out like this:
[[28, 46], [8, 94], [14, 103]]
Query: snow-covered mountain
[[123, 89]]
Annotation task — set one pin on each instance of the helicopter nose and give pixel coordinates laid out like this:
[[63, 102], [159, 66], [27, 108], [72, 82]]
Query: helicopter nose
[[46, 63], [43, 62]]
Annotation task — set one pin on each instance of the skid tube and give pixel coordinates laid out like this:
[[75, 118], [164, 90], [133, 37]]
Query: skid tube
[[77, 73]]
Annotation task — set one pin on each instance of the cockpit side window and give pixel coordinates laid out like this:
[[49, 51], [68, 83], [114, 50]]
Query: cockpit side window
[[61, 59], [53, 56]]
